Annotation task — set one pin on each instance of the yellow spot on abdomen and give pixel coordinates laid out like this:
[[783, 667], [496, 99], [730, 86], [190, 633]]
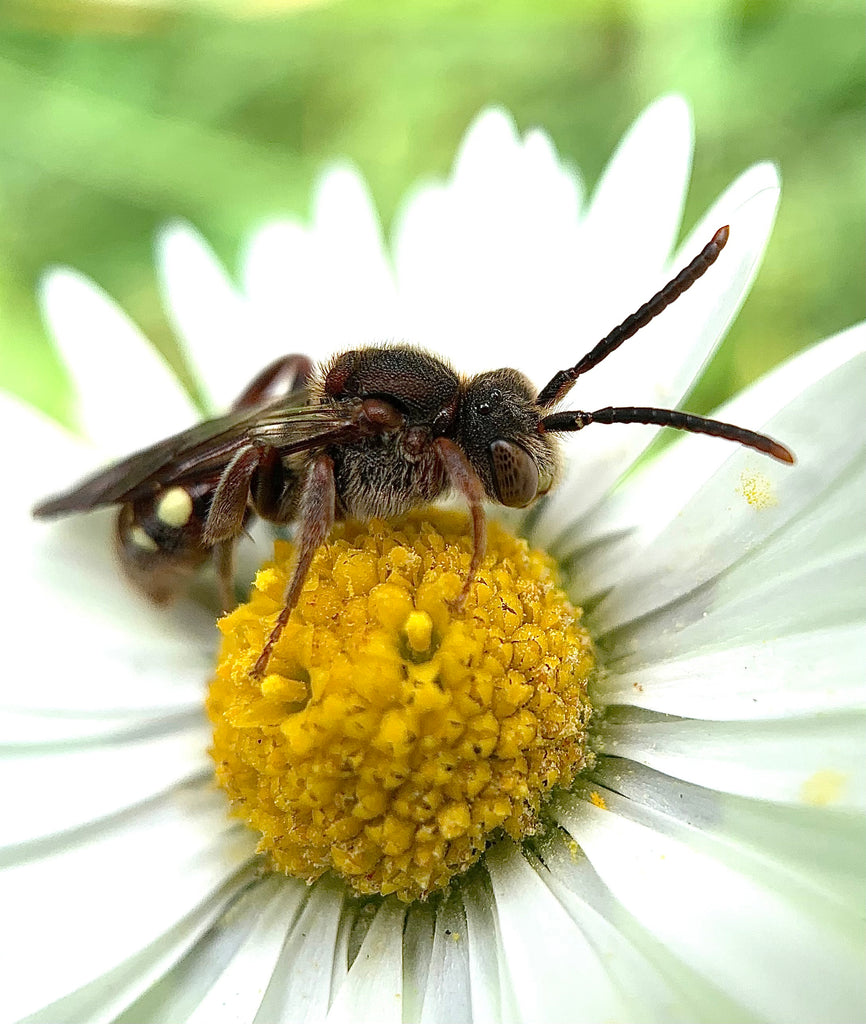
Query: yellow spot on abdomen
[[174, 507], [141, 539]]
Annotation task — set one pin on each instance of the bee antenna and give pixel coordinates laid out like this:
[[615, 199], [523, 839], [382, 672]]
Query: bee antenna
[[577, 420], [563, 381]]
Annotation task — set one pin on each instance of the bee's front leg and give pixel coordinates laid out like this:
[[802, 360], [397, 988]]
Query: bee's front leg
[[315, 519], [465, 480]]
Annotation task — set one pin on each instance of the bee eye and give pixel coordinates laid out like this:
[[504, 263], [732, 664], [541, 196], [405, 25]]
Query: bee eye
[[515, 474]]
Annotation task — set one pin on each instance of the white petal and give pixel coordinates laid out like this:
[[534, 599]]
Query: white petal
[[373, 988], [418, 933], [69, 789], [808, 673], [794, 760], [235, 995], [649, 982], [110, 649], [131, 881], [300, 986], [128, 397], [633, 218], [50, 450], [555, 973], [328, 287], [490, 986], [636, 514], [223, 977], [113, 997], [20, 729], [813, 853], [760, 949], [218, 330], [660, 365], [689, 544], [447, 995], [514, 210]]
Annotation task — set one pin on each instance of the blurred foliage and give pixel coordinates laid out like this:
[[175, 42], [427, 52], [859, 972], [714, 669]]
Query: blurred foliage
[[115, 117]]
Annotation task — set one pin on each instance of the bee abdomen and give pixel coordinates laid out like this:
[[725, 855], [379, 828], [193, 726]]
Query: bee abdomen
[[159, 539]]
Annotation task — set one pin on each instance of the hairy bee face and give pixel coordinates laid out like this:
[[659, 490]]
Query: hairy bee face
[[498, 430]]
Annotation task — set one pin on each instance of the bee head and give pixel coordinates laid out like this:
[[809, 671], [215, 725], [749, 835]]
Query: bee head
[[498, 430]]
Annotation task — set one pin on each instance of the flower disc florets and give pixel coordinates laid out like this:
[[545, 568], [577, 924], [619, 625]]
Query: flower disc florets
[[395, 733]]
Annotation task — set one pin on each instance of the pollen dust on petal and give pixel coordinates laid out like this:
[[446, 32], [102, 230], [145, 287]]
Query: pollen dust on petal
[[757, 489], [824, 788]]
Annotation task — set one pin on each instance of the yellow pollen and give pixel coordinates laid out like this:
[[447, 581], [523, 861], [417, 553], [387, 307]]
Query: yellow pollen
[[419, 630], [757, 490], [397, 735], [824, 788]]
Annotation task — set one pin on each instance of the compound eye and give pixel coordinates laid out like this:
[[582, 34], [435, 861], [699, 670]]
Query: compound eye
[[515, 474]]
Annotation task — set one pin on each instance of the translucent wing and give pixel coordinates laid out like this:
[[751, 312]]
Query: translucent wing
[[202, 452]]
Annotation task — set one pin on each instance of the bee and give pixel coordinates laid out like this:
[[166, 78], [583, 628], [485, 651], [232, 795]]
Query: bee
[[373, 432]]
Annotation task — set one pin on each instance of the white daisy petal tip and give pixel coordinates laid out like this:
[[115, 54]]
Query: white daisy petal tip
[[672, 109], [207, 311], [661, 138], [178, 233], [341, 189], [90, 329], [492, 131]]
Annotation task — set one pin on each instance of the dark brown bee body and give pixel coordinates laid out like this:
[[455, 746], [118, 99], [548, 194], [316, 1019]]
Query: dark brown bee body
[[160, 540], [375, 432], [390, 472]]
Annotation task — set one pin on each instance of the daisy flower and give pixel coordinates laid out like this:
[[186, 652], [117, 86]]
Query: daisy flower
[[706, 866]]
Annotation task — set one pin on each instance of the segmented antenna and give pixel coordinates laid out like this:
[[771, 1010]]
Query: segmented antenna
[[563, 381], [577, 420]]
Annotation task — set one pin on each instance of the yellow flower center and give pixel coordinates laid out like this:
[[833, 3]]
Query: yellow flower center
[[395, 734]]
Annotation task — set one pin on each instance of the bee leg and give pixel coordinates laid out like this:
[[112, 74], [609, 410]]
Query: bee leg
[[225, 520], [316, 517], [465, 480], [224, 563], [275, 489], [280, 378]]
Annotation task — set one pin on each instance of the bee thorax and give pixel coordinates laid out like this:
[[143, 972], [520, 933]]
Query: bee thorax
[[387, 475]]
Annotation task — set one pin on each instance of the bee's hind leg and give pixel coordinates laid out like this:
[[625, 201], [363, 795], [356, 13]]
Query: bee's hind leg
[[224, 564], [315, 519]]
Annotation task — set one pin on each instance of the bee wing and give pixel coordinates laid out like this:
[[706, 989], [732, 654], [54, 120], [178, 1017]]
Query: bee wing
[[203, 452]]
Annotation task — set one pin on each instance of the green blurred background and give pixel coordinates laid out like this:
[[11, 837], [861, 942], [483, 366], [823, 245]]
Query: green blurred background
[[115, 116]]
